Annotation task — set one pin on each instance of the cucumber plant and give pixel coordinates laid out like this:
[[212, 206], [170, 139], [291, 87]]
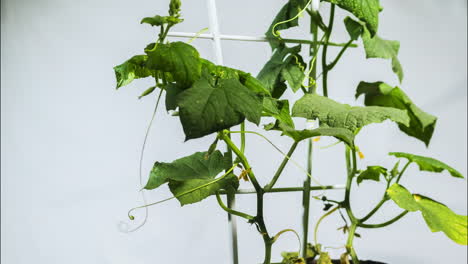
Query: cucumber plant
[[210, 100]]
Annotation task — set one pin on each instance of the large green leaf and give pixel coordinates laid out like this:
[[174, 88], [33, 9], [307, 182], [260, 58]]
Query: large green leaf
[[288, 11], [366, 10], [132, 69], [285, 65], [196, 166], [375, 46], [437, 216], [421, 124], [178, 58], [428, 164], [371, 173], [204, 188], [334, 114], [209, 107], [279, 109]]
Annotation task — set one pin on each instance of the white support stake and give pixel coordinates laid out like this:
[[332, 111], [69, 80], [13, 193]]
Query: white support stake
[[215, 35]]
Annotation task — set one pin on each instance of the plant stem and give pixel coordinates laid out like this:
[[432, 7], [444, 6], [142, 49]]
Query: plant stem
[[349, 243], [232, 211], [324, 51], [351, 173], [259, 191], [320, 220], [402, 171], [285, 189], [242, 136], [338, 57], [303, 41], [384, 224], [377, 207], [270, 185]]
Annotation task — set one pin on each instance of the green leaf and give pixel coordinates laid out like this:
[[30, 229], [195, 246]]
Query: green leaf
[[427, 163], [285, 65], [287, 12], [437, 216], [375, 46], [279, 109], [132, 69], [147, 92], [212, 71], [372, 173], [196, 166], [210, 107], [205, 188], [421, 124], [342, 134], [366, 10], [324, 258], [154, 21], [334, 114], [178, 58], [172, 91]]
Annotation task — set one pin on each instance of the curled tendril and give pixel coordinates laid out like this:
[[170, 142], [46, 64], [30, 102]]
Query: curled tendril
[[284, 154], [276, 33], [285, 231], [197, 35], [131, 217]]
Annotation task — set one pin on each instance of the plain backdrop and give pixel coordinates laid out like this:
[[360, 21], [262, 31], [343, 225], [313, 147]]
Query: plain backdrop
[[71, 142]]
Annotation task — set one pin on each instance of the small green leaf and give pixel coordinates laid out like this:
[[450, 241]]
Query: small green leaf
[[147, 92], [375, 46], [210, 107], [287, 12], [394, 172], [366, 10], [134, 68], [285, 65], [208, 188], [154, 21], [334, 114], [178, 58], [427, 163], [437, 216], [279, 109], [372, 173], [421, 124], [196, 166]]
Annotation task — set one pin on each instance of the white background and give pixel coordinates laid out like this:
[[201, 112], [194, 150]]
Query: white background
[[70, 142]]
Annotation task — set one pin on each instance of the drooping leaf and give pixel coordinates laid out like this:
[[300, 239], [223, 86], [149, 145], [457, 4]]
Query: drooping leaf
[[205, 188], [366, 10], [427, 163], [132, 69], [372, 173], [285, 65], [156, 20], [375, 46], [178, 58], [196, 166], [342, 134], [334, 114], [421, 124], [210, 107], [437, 216], [287, 12]]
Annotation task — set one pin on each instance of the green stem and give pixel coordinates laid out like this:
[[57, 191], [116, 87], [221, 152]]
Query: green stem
[[320, 220], [286, 189], [349, 243], [351, 173], [232, 211], [306, 201], [324, 51], [259, 191], [338, 57], [242, 127], [280, 169], [303, 41], [376, 208], [402, 171], [384, 224]]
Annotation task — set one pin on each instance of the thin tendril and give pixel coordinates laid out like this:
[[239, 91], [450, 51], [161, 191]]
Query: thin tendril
[[141, 165], [284, 154], [285, 231], [197, 35], [182, 194], [273, 31]]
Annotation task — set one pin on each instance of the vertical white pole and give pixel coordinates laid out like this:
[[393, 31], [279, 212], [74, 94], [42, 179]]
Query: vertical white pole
[[214, 29]]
